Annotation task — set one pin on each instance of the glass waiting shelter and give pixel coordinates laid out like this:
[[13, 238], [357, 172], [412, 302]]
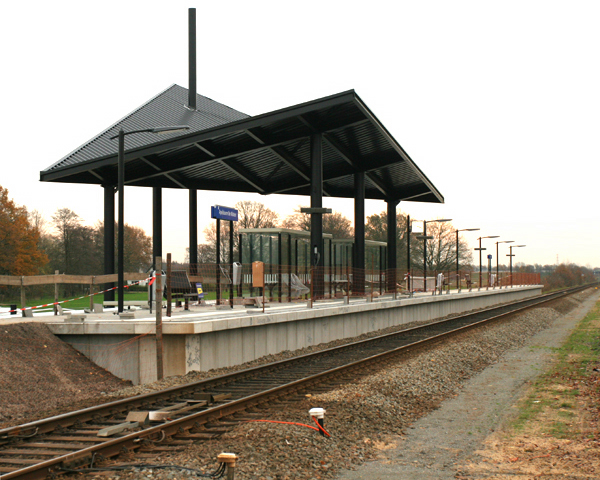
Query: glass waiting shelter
[[342, 262], [286, 254]]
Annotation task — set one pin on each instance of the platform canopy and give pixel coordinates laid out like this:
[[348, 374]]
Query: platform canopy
[[227, 150]]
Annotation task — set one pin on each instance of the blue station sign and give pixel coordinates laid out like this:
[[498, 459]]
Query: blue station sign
[[224, 213]]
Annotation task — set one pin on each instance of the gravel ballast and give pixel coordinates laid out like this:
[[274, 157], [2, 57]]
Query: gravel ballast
[[371, 418]]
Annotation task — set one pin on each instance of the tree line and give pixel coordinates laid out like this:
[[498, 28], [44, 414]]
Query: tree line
[[32, 245]]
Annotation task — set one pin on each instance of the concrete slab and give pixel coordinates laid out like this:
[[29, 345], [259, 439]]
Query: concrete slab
[[205, 338]]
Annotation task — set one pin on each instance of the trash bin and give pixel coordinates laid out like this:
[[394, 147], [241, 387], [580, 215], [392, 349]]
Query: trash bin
[[237, 273]]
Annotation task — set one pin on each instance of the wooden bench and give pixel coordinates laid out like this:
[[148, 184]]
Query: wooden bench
[[185, 290]]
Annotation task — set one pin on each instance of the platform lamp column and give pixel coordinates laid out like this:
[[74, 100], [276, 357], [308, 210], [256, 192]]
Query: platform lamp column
[[424, 237], [480, 250], [497, 259], [511, 255], [457, 255], [121, 184]]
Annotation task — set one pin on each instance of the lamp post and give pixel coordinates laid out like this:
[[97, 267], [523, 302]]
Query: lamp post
[[480, 249], [511, 255], [424, 237], [457, 266], [121, 190], [497, 258]]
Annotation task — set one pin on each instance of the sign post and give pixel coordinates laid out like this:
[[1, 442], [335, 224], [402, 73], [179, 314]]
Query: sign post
[[219, 213]]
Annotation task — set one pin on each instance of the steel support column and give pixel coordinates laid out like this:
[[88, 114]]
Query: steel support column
[[392, 235], [109, 237], [359, 233], [156, 224], [193, 229], [316, 219]]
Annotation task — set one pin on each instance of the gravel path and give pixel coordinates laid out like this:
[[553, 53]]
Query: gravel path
[[377, 417], [437, 445]]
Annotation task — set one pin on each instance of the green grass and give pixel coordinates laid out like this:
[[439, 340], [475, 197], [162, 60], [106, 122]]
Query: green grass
[[555, 390], [85, 302]]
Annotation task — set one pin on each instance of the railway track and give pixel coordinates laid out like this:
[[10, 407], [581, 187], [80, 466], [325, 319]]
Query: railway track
[[193, 412]]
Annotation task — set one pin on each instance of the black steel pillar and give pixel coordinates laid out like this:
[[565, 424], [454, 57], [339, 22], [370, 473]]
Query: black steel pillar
[[193, 231], [121, 220], [156, 224], [316, 219], [392, 235], [109, 237], [359, 233]]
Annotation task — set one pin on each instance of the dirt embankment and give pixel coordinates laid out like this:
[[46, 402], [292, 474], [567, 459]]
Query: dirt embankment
[[40, 374]]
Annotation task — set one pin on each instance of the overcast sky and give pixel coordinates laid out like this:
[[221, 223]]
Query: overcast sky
[[498, 103]]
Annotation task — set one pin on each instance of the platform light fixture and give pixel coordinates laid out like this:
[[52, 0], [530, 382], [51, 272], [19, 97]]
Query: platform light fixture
[[424, 237], [457, 265], [512, 255], [121, 189], [480, 250], [497, 258]]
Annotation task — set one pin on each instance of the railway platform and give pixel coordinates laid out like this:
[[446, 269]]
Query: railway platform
[[204, 338]]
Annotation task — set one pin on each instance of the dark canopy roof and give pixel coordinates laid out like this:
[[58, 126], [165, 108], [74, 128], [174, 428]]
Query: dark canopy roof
[[270, 153]]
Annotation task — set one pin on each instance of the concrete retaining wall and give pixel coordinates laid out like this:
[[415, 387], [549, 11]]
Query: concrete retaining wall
[[207, 344]]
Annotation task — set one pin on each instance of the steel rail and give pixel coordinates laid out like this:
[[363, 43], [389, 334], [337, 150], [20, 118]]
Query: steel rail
[[181, 425], [112, 408]]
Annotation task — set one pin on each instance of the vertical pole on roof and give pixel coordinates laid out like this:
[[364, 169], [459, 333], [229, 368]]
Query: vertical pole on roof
[[193, 230], [392, 236], [192, 58], [156, 223], [109, 237], [359, 232]]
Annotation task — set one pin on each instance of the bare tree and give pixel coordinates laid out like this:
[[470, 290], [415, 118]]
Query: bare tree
[[441, 250], [250, 215], [255, 215]]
